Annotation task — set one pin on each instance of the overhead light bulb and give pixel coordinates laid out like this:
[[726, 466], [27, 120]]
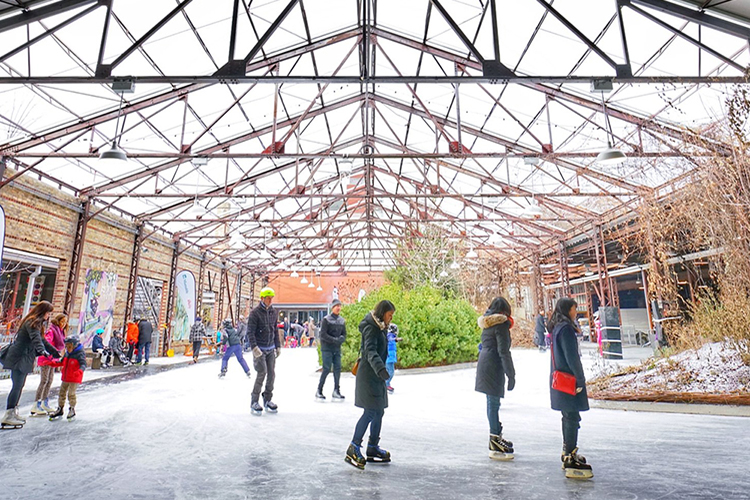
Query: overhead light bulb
[[311, 285], [303, 281], [611, 156], [533, 211], [294, 274], [472, 254], [320, 288], [113, 157], [196, 210]]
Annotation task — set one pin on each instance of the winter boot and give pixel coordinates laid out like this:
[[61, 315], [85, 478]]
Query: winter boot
[[337, 395], [354, 457], [256, 409], [57, 414], [10, 421], [377, 455], [46, 406], [575, 466], [71, 413], [37, 409], [500, 449], [319, 395], [18, 415], [271, 407]]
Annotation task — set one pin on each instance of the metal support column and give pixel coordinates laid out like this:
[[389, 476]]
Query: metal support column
[[222, 280], [564, 276], [537, 285], [133, 277], [239, 296], [75, 258], [199, 290], [167, 342], [252, 291]]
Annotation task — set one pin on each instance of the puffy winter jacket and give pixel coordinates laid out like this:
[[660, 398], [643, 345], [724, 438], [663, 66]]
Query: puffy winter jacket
[[29, 343], [97, 344], [73, 365], [261, 327], [231, 336], [131, 337], [56, 337]]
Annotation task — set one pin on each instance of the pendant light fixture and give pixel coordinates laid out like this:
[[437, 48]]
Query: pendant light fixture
[[303, 281], [472, 254], [320, 288], [114, 156], [294, 274], [312, 279], [611, 155], [533, 210]]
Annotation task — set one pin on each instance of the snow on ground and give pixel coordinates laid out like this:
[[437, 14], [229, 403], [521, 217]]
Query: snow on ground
[[715, 368], [185, 434]]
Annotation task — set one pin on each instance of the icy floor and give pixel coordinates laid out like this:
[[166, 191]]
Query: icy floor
[[184, 434]]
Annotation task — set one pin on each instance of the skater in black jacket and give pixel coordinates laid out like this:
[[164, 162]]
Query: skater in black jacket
[[332, 336], [565, 358], [263, 334]]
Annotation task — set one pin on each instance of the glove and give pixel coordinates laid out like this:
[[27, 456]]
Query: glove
[[56, 355], [46, 354], [384, 374], [257, 352], [511, 383], [340, 340], [278, 352]]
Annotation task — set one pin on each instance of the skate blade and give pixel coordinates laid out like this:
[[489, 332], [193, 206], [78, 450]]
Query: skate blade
[[337, 400], [320, 400], [354, 463], [10, 426], [45, 414], [501, 457], [374, 460], [578, 474], [256, 413]]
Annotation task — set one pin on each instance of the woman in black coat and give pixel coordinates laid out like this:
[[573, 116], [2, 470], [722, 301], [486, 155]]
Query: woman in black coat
[[495, 362], [565, 358], [19, 357], [370, 393]]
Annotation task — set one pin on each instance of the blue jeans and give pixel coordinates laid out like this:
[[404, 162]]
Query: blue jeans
[[141, 349], [493, 408], [391, 367], [234, 350], [373, 418], [331, 362]]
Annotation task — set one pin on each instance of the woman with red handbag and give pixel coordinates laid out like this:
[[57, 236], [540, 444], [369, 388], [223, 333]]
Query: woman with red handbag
[[568, 385]]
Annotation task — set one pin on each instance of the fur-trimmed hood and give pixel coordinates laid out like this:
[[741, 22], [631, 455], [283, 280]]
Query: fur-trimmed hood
[[485, 322]]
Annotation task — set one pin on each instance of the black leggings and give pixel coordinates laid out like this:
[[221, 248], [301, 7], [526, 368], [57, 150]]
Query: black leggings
[[19, 380], [570, 425], [196, 348]]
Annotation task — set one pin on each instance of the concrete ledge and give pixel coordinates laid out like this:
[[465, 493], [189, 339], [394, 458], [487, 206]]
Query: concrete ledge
[[691, 409]]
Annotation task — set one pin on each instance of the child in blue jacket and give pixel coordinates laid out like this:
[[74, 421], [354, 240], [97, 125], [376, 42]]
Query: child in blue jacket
[[390, 362]]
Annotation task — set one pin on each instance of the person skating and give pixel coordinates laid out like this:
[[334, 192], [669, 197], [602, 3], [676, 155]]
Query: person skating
[[73, 366], [495, 362], [197, 333], [233, 341], [264, 342], [56, 337], [565, 358], [370, 393], [390, 363], [332, 335], [145, 331], [18, 357], [540, 332]]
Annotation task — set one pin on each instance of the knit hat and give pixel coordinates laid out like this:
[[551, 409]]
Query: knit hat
[[336, 302], [72, 339]]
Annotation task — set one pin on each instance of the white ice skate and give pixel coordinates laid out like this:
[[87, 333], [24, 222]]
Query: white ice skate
[[10, 421], [38, 410]]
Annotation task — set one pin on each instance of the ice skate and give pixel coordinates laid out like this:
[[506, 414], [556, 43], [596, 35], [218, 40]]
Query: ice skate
[[57, 414], [575, 466], [336, 396], [249, 374], [500, 449], [581, 458], [71, 414], [389, 389], [319, 395], [354, 457], [256, 409], [222, 373], [38, 410], [271, 407], [10, 421], [46, 407], [376, 454], [18, 415]]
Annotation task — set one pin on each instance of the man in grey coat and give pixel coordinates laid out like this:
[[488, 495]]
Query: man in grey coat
[[332, 335]]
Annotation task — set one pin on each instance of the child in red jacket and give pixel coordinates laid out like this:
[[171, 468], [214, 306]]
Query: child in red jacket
[[73, 365]]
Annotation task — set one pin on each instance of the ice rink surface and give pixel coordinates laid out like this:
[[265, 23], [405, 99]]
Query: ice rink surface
[[185, 434]]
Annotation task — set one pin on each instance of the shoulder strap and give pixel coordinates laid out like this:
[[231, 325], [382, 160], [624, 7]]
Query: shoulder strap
[[551, 350]]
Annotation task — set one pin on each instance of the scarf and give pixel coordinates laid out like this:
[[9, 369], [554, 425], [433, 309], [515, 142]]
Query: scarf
[[380, 324]]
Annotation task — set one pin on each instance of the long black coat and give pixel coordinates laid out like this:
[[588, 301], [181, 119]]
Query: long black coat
[[567, 359], [495, 361], [29, 344], [145, 331], [540, 330], [370, 392]]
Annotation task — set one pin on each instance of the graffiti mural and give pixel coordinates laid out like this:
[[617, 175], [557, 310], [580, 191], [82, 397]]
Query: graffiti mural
[[98, 305]]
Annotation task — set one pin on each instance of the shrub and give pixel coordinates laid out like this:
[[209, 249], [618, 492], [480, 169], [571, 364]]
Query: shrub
[[436, 330]]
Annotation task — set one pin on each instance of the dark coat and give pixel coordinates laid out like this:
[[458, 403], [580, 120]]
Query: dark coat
[[370, 392], [144, 331], [28, 345], [540, 330], [566, 359], [495, 361], [97, 344], [231, 336], [332, 332], [262, 329]]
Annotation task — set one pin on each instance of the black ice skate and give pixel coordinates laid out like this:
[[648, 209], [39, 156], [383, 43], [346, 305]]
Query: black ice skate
[[354, 457], [222, 373], [271, 407], [57, 414], [71, 414], [256, 409], [336, 396], [319, 395], [500, 449], [377, 455], [575, 466]]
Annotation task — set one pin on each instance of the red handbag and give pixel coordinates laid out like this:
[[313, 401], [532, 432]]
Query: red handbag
[[562, 381]]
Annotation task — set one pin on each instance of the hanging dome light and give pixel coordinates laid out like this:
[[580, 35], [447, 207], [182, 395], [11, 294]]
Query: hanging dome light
[[611, 156], [196, 210], [294, 274], [112, 157], [472, 254], [533, 211], [237, 241], [264, 254], [455, 265], [311, 285], [303, 281], [443, 274], [320, 288]]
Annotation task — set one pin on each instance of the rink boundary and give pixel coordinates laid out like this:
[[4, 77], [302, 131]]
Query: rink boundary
[[685, 408]]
